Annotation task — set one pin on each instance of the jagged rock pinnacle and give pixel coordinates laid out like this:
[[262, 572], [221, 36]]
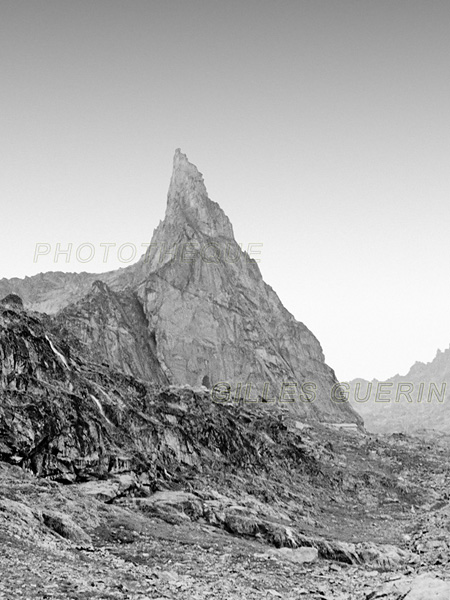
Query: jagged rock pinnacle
[[188, 202], [187, 182]]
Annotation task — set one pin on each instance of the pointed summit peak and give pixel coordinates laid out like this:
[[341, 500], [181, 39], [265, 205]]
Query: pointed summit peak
[[188, 202], [180, 160], [185, 177]]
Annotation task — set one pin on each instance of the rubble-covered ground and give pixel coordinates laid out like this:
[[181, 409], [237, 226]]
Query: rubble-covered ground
[[192, 541]]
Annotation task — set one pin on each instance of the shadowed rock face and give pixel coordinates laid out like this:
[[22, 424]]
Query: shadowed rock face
[[194, 308], [12, 300], [113, 329]]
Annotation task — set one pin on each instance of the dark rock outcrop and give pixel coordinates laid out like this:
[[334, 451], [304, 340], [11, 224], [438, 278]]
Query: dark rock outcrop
[[12, 300], [112, 328], [72, 420]]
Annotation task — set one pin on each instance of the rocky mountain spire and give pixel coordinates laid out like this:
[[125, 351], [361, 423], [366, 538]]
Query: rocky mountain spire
[[212, 315], [188, 201]]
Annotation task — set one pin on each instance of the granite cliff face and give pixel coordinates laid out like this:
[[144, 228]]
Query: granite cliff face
[[194, 309], [214, 317], [417, 401]]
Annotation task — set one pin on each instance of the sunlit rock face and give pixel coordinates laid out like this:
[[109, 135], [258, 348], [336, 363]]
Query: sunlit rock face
[[214, 317], [188, 203], [194, 309]]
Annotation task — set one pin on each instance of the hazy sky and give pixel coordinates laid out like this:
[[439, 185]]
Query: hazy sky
[[322, 129]]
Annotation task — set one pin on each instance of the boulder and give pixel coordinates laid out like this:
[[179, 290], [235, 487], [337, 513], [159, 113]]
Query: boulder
[[177, 505], [304, 554], [421, 587], [105, 491], [65, 527]]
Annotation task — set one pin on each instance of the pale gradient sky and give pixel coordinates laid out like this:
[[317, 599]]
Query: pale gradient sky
[[322, 129]]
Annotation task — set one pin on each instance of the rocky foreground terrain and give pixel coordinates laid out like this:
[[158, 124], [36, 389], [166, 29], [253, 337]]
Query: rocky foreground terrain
[[114, 487], [189, 540]]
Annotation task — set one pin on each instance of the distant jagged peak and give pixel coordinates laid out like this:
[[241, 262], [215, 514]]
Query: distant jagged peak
[[188, 202]]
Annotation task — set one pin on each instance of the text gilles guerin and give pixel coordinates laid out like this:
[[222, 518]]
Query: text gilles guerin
[[307, 392]]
